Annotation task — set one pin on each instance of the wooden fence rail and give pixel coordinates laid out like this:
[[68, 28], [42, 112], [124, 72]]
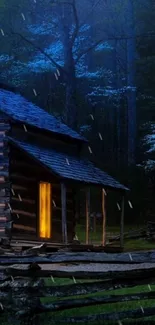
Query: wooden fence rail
[[23, 288]]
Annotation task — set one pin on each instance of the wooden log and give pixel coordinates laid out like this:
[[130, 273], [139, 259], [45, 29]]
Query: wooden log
[[64, 221], [19, 187], [76, 303], [71, 289], [20, 205], [67, 257], [21, 177], [24, 213], [122, 223], [116, 316], [87, 215], [23, 227], [24, 200], [4, 185], [103, 219], [128, 274]]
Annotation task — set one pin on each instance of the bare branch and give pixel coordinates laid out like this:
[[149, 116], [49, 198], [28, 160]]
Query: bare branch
[[41, 51], [87, 50], [118, 38]]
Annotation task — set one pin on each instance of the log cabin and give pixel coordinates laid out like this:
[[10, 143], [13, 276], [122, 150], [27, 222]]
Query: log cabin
[[41, 167]]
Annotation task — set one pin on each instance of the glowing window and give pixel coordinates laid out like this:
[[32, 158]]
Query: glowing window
[[45, 210]]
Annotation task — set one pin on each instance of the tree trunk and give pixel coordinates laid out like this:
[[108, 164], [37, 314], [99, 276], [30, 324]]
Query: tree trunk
[[70, 100], [131, 94], [70, 112]]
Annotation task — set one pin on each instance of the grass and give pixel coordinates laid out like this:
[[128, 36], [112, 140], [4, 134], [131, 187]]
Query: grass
[[107, 308], [129, 245]]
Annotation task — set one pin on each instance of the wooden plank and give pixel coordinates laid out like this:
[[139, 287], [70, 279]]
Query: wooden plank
[[103, 219], [111, 316], [122, 223], [4, 185], [64, 222], [24, 213], [4, 212], [22, 177], [87, 214], [2, 232], [21, 206], [22, 227], [29, 201], [89, 301], [3, 219], [129, 275], [24, 220], [19, 187], [4, 173]]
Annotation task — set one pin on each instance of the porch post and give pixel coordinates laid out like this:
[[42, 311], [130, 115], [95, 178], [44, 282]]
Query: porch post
[[122, 223], [87, 214], [63, 210], [103, 218]]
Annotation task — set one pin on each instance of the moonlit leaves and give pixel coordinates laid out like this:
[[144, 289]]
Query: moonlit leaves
[[103, 46]]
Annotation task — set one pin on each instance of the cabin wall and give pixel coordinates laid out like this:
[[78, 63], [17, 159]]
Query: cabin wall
[[4, 178], [25, 175]]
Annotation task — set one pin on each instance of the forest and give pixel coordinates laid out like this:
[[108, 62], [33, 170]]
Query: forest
[[91, 63]]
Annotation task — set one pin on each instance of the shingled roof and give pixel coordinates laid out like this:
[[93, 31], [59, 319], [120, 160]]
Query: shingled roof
[[68, 167], [21, 110]]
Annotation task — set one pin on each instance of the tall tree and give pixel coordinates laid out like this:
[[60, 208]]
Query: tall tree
[[131, 93]]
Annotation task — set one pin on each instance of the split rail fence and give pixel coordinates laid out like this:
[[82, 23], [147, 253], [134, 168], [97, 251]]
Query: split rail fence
[[24, 282]]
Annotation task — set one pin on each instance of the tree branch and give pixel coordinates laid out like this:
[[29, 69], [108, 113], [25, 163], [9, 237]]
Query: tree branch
[[118, 38], [62, 70], [87, 50]]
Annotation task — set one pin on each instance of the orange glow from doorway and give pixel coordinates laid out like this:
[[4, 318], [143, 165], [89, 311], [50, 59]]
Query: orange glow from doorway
[[45, 210]]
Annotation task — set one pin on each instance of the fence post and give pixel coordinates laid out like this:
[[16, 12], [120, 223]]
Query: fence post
[[122, 223]]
